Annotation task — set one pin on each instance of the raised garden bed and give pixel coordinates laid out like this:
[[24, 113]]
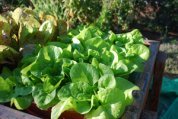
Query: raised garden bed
[[142, 80]]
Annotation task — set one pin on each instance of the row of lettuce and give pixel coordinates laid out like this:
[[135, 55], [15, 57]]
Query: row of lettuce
[[82, 70], [23, 26]]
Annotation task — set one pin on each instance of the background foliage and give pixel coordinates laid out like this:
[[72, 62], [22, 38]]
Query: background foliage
[[157, 15], [118, 15]]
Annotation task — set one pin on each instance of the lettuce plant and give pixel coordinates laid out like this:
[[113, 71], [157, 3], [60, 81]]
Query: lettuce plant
[[82, 72]]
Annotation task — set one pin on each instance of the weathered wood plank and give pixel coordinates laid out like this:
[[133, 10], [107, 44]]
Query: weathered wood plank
[[146, 114], [148, 71], [153, 98], [9, 113]]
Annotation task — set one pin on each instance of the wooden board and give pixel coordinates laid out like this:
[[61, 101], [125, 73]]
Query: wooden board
[[146, 114], [9, 113], [153, 98]]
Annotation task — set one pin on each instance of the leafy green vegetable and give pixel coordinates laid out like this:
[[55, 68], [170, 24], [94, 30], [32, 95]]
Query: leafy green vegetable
[[61, 107], [22, 103], [76, 73], [107, 81], [108, 95], [48, 55], [96, 44], [5, 31], [105, 69], [6, 91], [16, 14], [23, 26], [8, 53], [43, 99], [141, 51], [127, 89], [133, 37], [113, 104], [28, 28], [79, 91], [84, 73], [81, 95], [47, 30], [84, 34], [78, 95], [23, 91]]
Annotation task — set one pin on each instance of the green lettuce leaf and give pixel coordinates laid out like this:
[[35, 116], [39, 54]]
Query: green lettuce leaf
[[23, 90], [83, 72], [81, 91], [8, 55], [112, 104], [139, 50], [132, 37], [6, 91], [49, 56], [77, 96], [43, 99], [105, 69], [107, 81], [84, 34], [46, 31], [60, 107], [22, 103], [5, 31], [127, 88], [96, 43], [29, 26], [98, 113]]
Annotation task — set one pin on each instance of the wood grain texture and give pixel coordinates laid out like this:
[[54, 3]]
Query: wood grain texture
[[147, 114], [153, 99], [9, 113]]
